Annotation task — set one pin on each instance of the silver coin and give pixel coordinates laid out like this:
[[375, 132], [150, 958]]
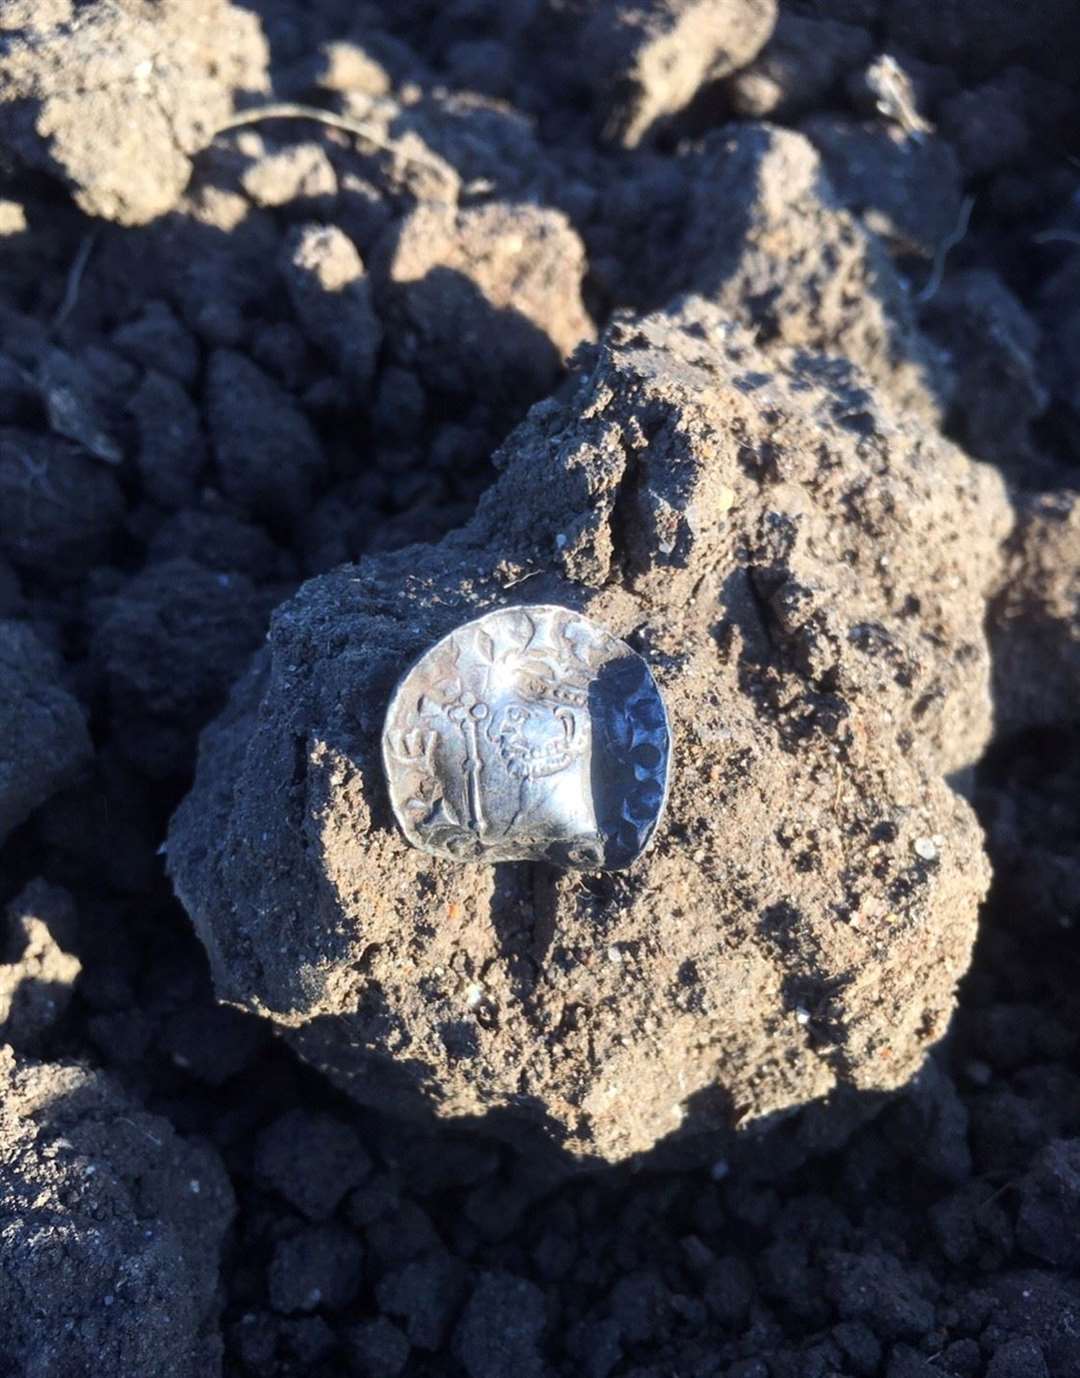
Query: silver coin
[[530, 734]]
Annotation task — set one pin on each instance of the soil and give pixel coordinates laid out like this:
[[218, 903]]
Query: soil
[[798, 928], [230, 363]]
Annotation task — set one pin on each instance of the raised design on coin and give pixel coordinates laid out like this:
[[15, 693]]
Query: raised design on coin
[[529, 734]]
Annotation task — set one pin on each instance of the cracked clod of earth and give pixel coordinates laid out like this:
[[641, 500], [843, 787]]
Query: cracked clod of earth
[[806, 570]]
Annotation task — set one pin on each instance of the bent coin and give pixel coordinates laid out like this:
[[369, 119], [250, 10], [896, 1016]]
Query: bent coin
[[529, 734]]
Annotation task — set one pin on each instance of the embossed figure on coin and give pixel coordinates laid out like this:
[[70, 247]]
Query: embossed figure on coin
[[529, 734]]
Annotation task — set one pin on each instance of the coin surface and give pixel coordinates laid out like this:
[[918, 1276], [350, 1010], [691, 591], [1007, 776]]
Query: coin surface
[[529, 734]]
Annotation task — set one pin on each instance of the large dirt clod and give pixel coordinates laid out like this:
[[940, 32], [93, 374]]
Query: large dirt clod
[[115, 96], [806, 571]]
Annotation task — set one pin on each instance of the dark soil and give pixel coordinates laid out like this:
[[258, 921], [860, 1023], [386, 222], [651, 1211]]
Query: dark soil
[[202, 405]]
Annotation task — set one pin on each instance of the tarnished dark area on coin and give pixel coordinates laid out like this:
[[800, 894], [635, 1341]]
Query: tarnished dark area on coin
[[529, 734]]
